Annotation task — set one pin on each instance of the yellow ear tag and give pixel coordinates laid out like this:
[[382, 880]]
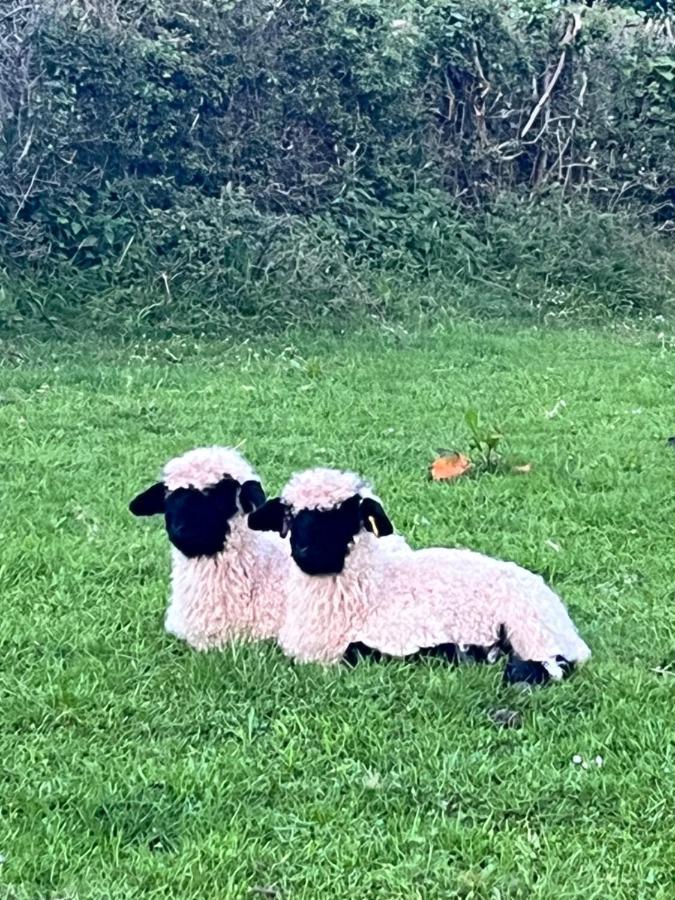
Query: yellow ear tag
[[374, 526]]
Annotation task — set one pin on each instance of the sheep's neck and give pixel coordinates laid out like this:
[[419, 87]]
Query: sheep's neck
[[331, 609], [361, 564], [226, 579]]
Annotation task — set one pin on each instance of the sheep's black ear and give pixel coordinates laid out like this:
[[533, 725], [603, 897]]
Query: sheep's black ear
[[150, 502], [272, 516], [251, 496], [374, 518]]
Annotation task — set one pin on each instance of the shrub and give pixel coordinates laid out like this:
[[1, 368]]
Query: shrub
[[231, 149]]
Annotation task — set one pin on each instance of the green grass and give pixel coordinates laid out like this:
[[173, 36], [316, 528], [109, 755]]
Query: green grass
[[133, 767]]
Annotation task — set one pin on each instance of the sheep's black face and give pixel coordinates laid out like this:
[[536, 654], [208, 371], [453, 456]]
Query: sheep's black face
[[198, 521], [321, 539]]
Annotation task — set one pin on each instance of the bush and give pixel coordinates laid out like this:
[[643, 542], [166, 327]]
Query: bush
[[228, 149], [577, 248]]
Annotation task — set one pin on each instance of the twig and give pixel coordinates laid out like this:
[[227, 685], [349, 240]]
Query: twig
[[626, 186], [26, 148], [166, 285], [26, 195], [479, 109], [660, 670], [14, 12], [572, 31], [126, 249], [544, 97], [479, 69], [570, 137]]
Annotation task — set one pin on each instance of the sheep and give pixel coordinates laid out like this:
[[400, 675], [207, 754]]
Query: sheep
[[227, 582], [347, 598]]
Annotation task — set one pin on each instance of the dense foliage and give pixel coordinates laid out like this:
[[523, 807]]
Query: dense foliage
[[218, 146]]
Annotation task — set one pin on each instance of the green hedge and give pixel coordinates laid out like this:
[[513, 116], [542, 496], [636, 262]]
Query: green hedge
[[215, 145]]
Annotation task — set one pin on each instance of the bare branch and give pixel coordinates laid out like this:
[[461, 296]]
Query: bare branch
[[572, 30], [26, 195]]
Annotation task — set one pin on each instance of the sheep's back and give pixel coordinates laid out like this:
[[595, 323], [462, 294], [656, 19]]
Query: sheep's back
[[438, 596]]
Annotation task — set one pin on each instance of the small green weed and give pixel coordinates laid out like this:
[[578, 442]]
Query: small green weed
[[485, 441]]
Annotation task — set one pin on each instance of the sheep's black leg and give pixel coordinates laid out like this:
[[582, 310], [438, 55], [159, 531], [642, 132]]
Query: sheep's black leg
[[453, 654], [529, 671], [447, 652], [525, 671], [479, 654], [357, 651], [519, 671], [503, 641], [567, 666], [460, 653]]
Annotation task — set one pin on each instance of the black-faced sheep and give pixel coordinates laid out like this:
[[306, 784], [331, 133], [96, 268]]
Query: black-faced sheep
[[227, 582], [347, 595]]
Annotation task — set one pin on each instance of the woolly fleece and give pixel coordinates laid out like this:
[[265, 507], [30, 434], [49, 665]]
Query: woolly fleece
[[237, 595], [205, 466], [322, 489], [399, 603]]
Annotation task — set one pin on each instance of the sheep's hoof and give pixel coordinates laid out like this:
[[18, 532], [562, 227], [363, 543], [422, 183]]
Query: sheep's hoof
[[530, 671], [525, 671]]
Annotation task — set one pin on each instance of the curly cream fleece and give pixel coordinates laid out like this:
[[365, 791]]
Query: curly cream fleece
[[401, 603], [323, 489], [237, 595], [205, 466]]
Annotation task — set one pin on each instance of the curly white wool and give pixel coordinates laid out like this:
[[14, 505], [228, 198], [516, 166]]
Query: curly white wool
[[323, 489], [402, 602], [205, 466], [237, 595]]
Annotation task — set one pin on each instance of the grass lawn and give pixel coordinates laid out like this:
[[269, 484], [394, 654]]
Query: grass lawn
[[133, 767]]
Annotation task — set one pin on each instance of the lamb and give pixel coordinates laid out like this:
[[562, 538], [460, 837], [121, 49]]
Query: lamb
[[347, 598], [227, 582]]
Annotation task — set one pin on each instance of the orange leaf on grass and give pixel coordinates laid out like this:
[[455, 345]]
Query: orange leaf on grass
[[451, 465]]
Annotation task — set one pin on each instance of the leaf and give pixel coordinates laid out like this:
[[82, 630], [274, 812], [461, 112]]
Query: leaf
[[492, 439], [524, 469], [451, 466], [471, 417]]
